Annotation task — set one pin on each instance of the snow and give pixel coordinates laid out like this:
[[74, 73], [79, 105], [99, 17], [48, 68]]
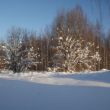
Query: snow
[[55, 91], [75, 54]]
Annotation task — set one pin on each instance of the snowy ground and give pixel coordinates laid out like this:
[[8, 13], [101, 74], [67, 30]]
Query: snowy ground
[[55, 91]]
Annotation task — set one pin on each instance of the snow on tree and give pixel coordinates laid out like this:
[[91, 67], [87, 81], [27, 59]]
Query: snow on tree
[[34, 53], [17, 50], [74, 51], [74, 54], [3, 56]]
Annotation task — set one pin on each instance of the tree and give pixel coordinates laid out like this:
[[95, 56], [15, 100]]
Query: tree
[[18, 50], [34, 53], [73, 52], [3, 56], [75, 55]]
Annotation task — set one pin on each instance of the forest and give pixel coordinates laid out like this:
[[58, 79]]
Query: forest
[[71, 43]]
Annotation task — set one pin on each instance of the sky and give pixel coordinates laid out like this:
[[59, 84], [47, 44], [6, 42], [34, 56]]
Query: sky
[[37, 14]]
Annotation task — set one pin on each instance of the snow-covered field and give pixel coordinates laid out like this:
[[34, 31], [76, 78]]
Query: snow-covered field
[[55, 91]]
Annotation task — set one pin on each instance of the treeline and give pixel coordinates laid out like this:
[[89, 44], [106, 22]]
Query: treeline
[[71, 43]]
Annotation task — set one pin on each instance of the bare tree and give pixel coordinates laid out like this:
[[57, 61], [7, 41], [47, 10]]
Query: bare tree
[[17, 50]]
